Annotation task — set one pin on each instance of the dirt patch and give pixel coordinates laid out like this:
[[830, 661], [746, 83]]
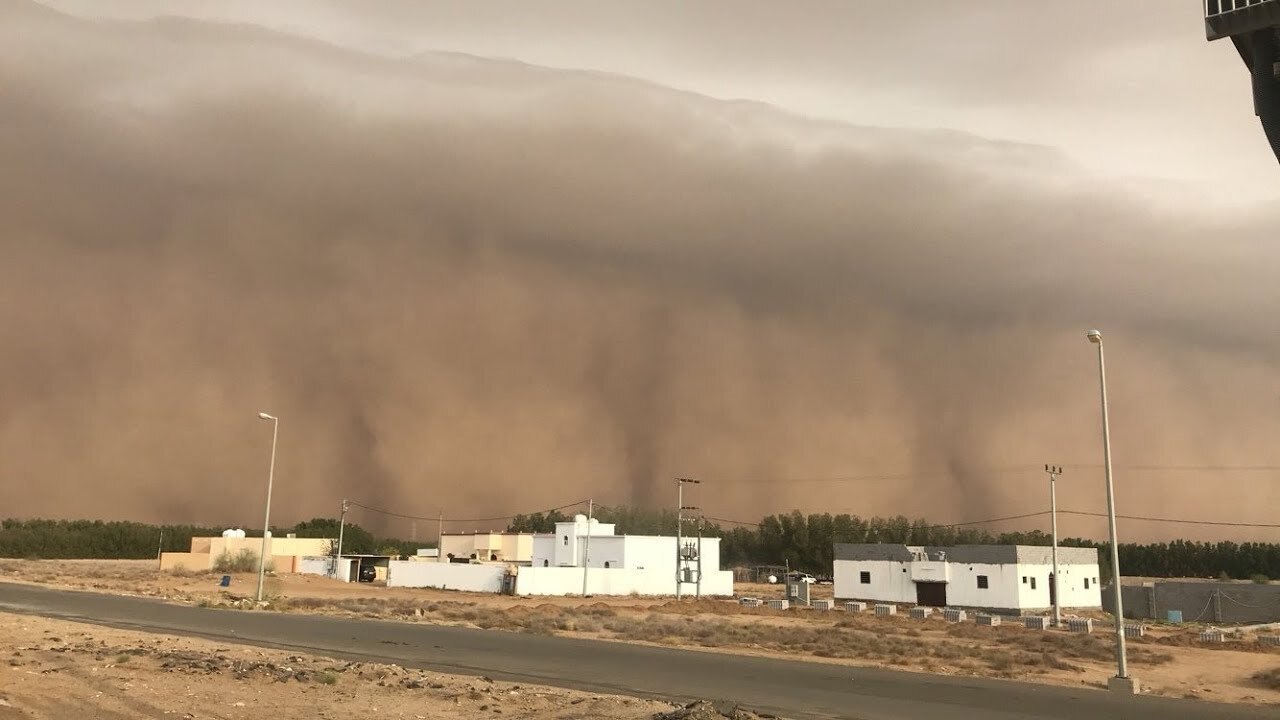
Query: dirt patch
[[57, 669], [1170, 660]]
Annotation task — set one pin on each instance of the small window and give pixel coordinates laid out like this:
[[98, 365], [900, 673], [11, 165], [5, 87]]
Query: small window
[[606, 564], [1024, 579], [982, 582], [1086, 583], [864, 577], [566, 540], [1033, 583], [545, 562]]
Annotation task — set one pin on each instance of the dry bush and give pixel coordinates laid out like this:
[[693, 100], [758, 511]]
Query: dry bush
[[243, 561], [1268, 678]]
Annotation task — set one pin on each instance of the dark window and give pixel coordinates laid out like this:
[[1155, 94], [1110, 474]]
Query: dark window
[[864, 577], [982, 582], [545, 562], [1086, 583], [1024, 579], [566, 540], [1033, 583], [606, 564]]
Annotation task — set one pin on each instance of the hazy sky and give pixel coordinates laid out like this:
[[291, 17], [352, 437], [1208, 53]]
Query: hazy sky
[[1135, 92], [495, 286]]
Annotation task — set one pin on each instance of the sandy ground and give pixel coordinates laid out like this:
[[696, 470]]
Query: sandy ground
[[1170, 660], [56, 670]]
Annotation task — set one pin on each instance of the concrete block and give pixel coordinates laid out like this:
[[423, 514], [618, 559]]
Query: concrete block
[[823, 604], [985, 619], [855, 607], [1080, 625], [1213, 636], [954, 616], [779, 604], [883, 610], [1036, 622], [1128, 685], [921, 613], [749, 602], [1132, 630], [1269, 639]]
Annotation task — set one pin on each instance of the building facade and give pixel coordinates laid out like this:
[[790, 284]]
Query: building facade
[[284, 554], [995, 577], [486, 547], [579, 552]]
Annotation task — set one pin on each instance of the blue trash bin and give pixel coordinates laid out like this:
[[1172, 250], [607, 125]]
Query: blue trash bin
[[226, 581]]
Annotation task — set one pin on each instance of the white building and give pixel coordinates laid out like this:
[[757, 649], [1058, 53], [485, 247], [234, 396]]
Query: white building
[[611, 564], [996, 577], [619, 564]]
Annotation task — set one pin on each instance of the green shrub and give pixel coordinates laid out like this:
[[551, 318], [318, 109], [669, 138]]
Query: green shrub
[[243, 561], [1261, 579]]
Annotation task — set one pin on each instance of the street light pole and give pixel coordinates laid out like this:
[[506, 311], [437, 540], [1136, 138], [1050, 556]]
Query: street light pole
[[266, 522], [1054, 472], [1122, 664]]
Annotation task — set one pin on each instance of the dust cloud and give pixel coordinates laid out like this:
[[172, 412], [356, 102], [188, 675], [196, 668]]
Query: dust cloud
[[495, 288]]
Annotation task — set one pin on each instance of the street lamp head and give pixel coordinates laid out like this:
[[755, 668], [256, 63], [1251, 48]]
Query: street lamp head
[[1095, 336], [265, 416]]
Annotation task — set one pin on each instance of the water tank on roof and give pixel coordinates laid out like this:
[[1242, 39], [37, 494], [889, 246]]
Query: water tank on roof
[[579, 518], [239, 533], [228, 533]]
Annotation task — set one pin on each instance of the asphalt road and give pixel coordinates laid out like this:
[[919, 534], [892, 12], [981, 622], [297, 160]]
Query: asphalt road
[[793, 689]]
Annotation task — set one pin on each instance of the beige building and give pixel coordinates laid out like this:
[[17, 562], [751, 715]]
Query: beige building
[[285, 554], [487, 547]]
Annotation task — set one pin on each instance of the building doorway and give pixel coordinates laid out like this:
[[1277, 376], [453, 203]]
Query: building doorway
[[931, 594], [1053, 592]]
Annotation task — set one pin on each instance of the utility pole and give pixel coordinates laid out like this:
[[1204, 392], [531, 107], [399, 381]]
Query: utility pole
[[342, 525], [586, 548], [1054, 472], [160, 551], [699, 588], [440, 538], [680, 483]]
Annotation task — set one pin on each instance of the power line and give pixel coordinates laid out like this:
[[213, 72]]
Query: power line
[[1179, 521], [914, 527], [882, 477], [449, 519]]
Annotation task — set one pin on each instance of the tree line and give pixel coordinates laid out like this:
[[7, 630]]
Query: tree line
[[802, 542], [805, 542], [120, 539]]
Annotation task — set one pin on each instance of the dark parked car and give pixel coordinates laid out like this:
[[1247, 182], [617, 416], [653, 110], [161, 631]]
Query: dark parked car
[[368, 573]]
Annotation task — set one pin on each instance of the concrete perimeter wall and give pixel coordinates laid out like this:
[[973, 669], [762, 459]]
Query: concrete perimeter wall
[[1199, 601], [615, 581], [447, 576]]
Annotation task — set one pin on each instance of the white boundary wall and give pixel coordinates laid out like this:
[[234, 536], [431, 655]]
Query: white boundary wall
[[615, 581], [447, 576]]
